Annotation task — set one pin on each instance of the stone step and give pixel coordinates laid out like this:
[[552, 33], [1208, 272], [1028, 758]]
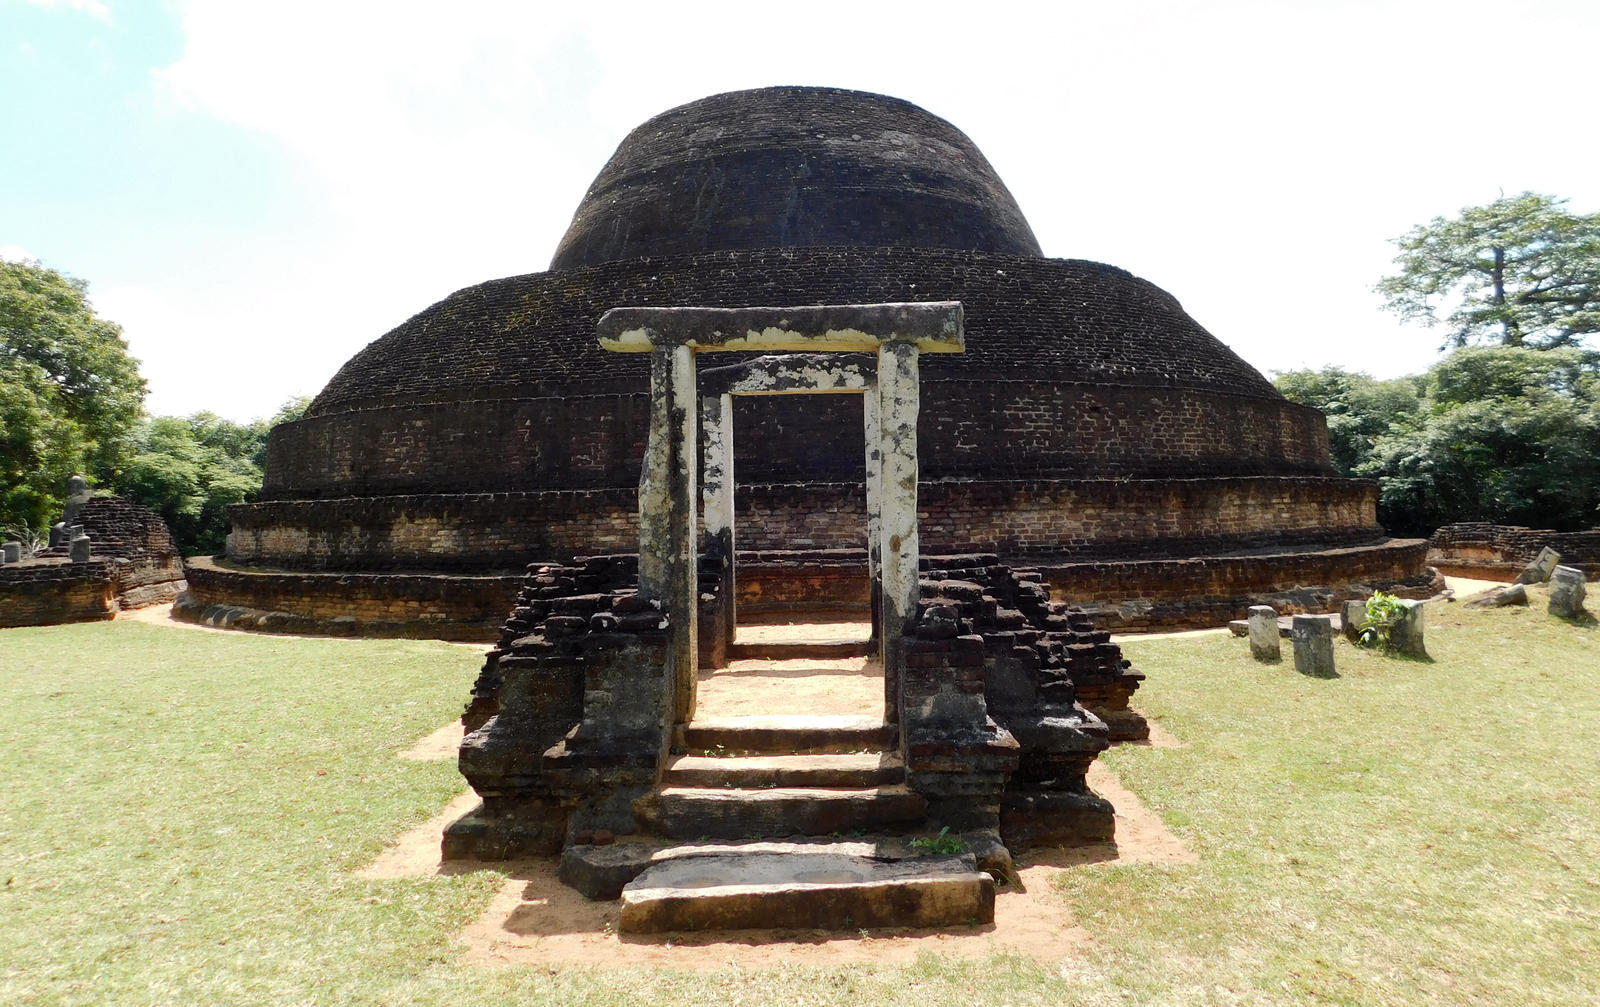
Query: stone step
[[755, 772], [813, 888], [691, 812], [790, 650], [784, 735]]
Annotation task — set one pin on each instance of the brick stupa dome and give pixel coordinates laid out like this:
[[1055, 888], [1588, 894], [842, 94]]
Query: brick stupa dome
[[1091, 423]]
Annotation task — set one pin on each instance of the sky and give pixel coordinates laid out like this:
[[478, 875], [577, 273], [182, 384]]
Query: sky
[[255, 191]]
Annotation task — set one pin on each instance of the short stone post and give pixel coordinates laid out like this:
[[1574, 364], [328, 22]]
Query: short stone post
[[1351, 615], [1264, 642], [78, 552], [58, 534], [11, 552], [1541, 568], [1313, 645], [1567, 591], [1405, 637]]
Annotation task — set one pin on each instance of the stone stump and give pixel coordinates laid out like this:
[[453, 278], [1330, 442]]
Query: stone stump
[[1264, 645], [1352, 614], [11, 552], [1541, 568], [1405, 637], [1313, 645], [1567, 591], [78, 552]]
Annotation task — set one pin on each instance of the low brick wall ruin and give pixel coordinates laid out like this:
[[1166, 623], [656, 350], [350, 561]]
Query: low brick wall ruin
[[134, 565], [439, 606], [52, 592], [1499, 552]]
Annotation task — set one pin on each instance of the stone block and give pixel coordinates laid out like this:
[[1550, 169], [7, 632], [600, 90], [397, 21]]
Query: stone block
[[1313, 645], [11, 552], [1567, 591], [1263, 624], [1406, 637], [1542, 567], [79, 551], [1352, 614]]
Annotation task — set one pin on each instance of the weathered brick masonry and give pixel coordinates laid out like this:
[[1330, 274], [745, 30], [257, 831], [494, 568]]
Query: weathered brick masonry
[[1498, 551], [135, 565], [1089, 418]]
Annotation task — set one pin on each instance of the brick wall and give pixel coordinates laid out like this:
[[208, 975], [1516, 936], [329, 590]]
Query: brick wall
[[135, 564], [1003, 429], [434, 606], [51, 592], [1481, 549], [1015, 518]]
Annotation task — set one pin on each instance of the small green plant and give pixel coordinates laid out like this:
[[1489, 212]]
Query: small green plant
[[941, 844], [1384, 612]]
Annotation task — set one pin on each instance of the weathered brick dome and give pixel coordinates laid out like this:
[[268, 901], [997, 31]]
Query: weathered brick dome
[[791, 166], [1092, 428]]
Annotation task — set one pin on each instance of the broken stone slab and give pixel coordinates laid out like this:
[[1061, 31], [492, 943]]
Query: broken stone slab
[[11, 552], [1567, 591], [1264, 640], [601, 872], [1313, 645], [806, 890], [1239, 627], [1406, 636], [1541, 568], [1499, 597], [1351, 615]]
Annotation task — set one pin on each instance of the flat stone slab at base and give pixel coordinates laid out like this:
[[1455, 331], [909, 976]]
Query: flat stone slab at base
[[822, 890]]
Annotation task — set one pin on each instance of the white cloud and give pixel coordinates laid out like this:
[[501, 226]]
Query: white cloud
[[98, 8], [15, 253], [1250, 157]]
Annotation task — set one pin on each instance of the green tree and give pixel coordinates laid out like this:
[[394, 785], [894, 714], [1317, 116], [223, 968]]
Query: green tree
[[69, 392], [1521, 271], [1504, 434], [1358, 408], [192, 469]]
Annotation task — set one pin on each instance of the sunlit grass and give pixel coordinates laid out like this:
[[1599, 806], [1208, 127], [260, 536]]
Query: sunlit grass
[[182, 813]]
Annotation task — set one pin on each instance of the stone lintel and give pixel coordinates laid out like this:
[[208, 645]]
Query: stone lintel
[[791, 374], [934, 327]]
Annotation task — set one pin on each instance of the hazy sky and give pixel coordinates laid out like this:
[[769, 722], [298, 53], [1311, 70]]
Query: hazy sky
[[257, 190]]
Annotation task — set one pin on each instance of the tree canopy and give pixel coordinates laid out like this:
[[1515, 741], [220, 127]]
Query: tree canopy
[[1503, 434], [69, 392], [192, 469], [1520, 271]]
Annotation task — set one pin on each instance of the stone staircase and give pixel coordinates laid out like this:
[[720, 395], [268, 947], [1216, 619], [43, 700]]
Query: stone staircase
[[783, 821]]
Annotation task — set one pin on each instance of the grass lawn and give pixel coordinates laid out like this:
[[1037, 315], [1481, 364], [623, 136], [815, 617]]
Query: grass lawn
[[181, 813]]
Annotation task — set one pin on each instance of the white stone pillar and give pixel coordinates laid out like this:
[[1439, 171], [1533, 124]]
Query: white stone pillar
[[898, 398], [716, 494], [874, 433], [668, 506]]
